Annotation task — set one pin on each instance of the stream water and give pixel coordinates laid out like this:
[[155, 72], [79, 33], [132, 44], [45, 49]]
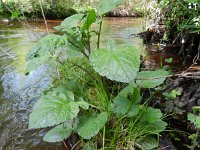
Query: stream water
[[19, 92]]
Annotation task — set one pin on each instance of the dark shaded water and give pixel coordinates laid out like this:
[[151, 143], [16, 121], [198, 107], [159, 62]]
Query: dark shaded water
[[19, 92]]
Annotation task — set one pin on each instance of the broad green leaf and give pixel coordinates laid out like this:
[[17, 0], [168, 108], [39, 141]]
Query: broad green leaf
[[156, 127], [54, 109], [70, 22], [38, 61], [90, 125], [126, 102], [61, 92], [148, 143], [120, 64], [47, 49], [133, 110], [57, 134], [130, 89], [47, 44], [151, 79], [49, 111], [136, 97], [152, 115], [108, 5], [91, 18], [44, 51], [132, 92], [122, 106]]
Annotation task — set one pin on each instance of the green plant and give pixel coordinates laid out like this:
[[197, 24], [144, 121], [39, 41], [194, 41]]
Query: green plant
[[169, 60], [31, 9], [182, 24], [172, 95], [195, 119], [96, 92]]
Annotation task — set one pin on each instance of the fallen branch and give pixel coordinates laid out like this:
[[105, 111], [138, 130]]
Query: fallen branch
[[191, 75]]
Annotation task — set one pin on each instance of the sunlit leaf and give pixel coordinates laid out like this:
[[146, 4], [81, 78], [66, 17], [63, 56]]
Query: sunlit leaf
[[47, 44], [91, 18], [133, 110], [70, 22], [38, 61], [156, 127], [83, 104], [151, 79], [44, 51], [108, 5], [125, 103], [130, 89], [152, 115], [120, 64], [123, 106], [90, 125], [195, 119], [53, 109], [136, 96], [57, 134]]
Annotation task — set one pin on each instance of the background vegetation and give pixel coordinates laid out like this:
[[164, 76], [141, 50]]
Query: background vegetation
[[182, 22], [60, 9], [84, 83]]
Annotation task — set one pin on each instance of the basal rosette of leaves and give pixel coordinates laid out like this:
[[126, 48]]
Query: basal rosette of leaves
[[67, 107]]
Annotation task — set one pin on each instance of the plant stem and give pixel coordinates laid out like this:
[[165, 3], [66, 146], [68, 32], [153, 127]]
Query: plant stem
[[99, 34], [88, 38], [104, 131], [45, 21], [82, 51]]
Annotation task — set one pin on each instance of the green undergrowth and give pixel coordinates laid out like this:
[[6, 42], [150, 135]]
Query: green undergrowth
[[182, 21], [96, 93], [31, 9], [60, 9]]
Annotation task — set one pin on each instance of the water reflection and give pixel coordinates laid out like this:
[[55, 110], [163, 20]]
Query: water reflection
[[19, 92]]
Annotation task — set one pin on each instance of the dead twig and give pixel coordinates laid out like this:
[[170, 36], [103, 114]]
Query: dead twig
[[45, 21]]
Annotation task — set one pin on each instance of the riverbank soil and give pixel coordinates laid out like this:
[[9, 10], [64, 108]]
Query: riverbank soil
[[186, 81]]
